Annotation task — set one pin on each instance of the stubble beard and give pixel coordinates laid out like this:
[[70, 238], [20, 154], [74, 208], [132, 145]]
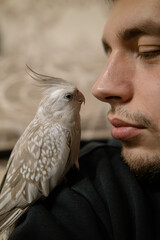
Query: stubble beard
[[145, 164]]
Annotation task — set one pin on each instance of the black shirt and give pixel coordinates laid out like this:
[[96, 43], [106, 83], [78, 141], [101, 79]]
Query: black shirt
[[103, 200]]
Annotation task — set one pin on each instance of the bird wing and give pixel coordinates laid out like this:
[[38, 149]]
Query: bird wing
[[36, 165]]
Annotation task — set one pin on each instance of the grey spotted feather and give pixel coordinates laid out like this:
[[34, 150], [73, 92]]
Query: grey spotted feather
[[44, 153]]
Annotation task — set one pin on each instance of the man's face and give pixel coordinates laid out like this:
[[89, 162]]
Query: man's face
[[130, 81]]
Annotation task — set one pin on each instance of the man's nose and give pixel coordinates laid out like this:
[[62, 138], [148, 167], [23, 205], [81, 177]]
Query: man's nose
[[115, 83]]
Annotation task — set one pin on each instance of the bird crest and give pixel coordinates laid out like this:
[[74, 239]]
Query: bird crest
[[47, 81]]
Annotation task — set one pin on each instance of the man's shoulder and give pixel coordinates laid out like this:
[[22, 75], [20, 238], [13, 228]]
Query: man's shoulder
[[111, 145], [85, 191], [96, 163], [93, 156]]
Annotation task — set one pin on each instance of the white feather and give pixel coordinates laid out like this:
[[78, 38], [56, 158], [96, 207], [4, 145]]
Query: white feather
[[44, 153]]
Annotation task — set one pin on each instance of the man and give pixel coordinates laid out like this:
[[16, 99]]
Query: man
[[112, 198], [130, 81]]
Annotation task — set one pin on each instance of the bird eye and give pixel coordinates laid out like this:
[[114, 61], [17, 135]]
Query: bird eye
[[68, 96]]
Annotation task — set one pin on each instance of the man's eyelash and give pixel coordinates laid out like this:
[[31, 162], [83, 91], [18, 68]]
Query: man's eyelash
[[148, 55]]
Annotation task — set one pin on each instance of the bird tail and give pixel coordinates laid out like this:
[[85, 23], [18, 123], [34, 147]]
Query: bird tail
[[9, 218]]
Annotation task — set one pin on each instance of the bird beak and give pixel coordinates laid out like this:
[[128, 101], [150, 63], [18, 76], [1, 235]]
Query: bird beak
[[80, 97]]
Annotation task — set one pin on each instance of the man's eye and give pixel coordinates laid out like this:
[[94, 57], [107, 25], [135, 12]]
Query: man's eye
[[149, 55]]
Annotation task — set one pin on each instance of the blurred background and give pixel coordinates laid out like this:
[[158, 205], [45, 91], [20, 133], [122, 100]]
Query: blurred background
[[60, 38]]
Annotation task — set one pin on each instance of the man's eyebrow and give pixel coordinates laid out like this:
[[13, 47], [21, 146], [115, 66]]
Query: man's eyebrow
[[146, 28]]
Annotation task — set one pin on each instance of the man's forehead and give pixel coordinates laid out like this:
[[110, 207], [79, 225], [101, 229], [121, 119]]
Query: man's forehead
[[138, 17]]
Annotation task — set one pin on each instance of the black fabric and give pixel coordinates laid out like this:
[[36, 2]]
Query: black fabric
[[103, 200]]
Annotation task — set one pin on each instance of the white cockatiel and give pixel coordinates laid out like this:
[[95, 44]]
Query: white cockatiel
[[44, 153]]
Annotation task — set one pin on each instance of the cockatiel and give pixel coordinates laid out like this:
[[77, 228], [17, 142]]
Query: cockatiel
[[44, 153]]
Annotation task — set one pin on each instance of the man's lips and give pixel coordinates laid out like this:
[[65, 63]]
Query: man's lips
[[123, 130]]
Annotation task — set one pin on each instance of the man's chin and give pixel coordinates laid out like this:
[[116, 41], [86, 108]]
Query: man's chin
[[145, 165]]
